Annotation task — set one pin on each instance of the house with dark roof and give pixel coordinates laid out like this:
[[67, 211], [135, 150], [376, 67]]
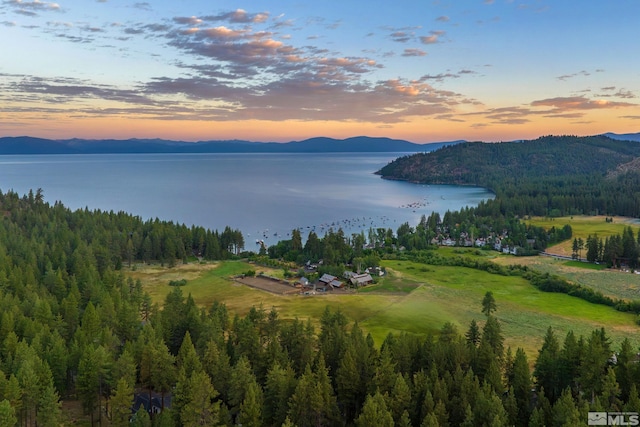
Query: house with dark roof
[[153, 406], [327, 279]]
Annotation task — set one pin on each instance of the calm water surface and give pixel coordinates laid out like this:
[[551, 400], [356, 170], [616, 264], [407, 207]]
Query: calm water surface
[[264, 195]]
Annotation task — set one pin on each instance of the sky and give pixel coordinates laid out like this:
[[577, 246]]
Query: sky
[[287, 70]]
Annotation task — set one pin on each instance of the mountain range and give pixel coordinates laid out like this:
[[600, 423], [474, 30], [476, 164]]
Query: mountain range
[[358, 144], [31, 145]]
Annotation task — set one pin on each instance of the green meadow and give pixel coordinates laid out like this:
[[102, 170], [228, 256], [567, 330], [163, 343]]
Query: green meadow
[[412, 298], [613, 283], [583, 226]]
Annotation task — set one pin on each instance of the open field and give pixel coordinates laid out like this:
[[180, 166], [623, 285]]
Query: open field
[[454, 294], [413, 298], [613, 283], [583, 226]]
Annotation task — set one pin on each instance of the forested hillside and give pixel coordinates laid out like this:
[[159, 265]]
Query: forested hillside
[[74, 328], [554, 176]]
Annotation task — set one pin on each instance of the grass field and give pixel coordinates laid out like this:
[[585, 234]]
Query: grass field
[[413, 298], [583, 226], [454, 294], [612, 283]]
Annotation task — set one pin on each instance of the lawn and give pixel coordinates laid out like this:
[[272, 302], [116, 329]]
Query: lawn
[[413, 298]]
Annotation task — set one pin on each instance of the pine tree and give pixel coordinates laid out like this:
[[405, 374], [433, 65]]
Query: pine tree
[[188, 359], [241, 378], [375, 413], [400, 398], [521, 384], [120, 403], [488, 304], [250, 414], [279, 387], [216, 363], [7, 414], [565, 412], [610, 396], [385, 375], [199, 408], [633, 403], [348, 384], [547, 366], [473, 334]]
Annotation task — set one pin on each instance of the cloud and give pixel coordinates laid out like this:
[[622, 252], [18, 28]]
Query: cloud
[[143, 6], [624, 94], [570, 76], [565, 116], [578, 103], [33, 5], [133, 31], [414, 52], [8, 23], [442, 18], [433, 38], [508, 115], [401, 36], [429, 39], [63, 90], [239, 16], [450, 118], [439, 77], [190, 20], [443, 76], [32, 8], [223, 33], [283, 23]]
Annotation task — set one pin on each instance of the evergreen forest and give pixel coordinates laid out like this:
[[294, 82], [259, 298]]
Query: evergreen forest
[[75, 329], [549, 176]]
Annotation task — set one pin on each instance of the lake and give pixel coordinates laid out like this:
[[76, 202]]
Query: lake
[[263, 195]]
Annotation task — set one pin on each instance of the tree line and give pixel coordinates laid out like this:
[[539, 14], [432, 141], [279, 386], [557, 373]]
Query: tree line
[[614, 251]]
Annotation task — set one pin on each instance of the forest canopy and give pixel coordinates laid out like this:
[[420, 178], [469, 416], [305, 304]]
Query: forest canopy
[[549, 176]]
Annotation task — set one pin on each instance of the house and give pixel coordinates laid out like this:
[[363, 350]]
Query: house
[[327, 279], [348, 274], [303, 282], [361, 279], [336, 284], [141, 400]]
